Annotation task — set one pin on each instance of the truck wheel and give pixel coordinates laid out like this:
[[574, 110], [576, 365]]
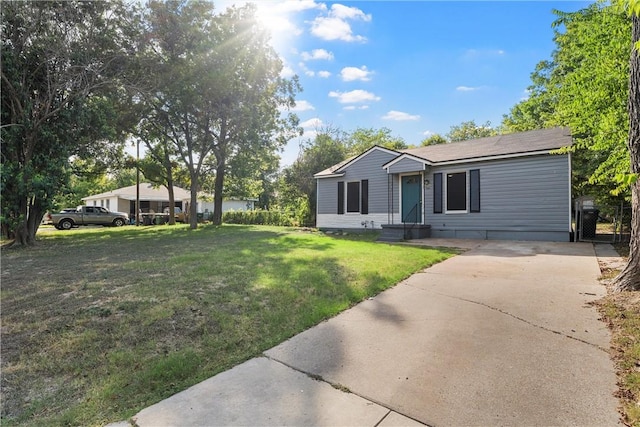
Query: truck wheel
[[66, 224], [118, 222]]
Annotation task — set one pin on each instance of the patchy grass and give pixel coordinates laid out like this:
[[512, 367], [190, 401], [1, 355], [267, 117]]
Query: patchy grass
[[99, 323], [621, 311]]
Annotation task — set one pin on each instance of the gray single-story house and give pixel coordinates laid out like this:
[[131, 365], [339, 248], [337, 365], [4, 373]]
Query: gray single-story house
[[502, 187]]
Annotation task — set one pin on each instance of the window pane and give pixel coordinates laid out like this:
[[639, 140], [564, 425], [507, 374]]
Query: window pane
[[353, 196], [340, 197], [474, 190], [365, 197], [457, 191], [437, 193]]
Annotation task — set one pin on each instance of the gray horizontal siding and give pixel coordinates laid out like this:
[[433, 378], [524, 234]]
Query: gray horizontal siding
[[523, 195], [406, 165], [366, 167]]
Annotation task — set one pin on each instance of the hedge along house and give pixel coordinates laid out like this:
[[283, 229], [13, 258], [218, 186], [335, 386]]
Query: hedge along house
[[502, 187]]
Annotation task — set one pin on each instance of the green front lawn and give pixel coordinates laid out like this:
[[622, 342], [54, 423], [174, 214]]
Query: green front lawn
[[99, 323]]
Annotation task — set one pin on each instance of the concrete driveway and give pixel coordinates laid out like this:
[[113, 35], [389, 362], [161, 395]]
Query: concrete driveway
[[500, 335]]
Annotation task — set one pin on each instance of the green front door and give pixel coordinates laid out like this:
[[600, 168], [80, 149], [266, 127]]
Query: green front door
[[412, 198]]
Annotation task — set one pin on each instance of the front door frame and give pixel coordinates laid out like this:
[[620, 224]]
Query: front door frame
[[420, 177]]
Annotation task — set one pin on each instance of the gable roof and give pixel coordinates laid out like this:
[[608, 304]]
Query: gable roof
[[338, 168], [147, 192], [512, 144], [520, 144]]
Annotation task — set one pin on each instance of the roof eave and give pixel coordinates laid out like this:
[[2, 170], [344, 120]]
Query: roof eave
[[333, 175], [407, 156], [496, 157]]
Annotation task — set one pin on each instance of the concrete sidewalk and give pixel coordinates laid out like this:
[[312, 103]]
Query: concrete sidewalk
[[500, 335]]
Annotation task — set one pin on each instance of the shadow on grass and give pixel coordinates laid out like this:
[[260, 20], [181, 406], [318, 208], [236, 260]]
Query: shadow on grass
[[99, 323]]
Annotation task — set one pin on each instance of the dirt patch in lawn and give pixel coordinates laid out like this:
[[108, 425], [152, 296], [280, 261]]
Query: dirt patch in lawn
[[621, 312]]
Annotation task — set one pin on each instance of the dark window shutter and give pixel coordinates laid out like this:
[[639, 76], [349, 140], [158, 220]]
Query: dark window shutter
[[474, 190], [437, 193], [340, 197], [364, 194]]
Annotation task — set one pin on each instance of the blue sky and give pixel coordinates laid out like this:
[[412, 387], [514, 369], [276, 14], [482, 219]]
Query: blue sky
[[415, 67]]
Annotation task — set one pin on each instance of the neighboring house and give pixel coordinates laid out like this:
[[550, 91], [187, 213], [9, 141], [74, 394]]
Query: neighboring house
[[229, 205], [156, 198], [152, 198], [501, 187]]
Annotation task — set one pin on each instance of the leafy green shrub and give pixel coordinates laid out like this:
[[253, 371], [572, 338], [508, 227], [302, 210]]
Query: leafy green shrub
[[258, 217]]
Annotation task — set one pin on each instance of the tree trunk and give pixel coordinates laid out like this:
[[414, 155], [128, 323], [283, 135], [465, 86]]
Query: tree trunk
[[193, 209], [172, 199], [217, 192], [629, 278], [172, 203]]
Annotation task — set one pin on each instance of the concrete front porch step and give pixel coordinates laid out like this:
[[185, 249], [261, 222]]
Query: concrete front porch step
[[400, 232], [389, 239]]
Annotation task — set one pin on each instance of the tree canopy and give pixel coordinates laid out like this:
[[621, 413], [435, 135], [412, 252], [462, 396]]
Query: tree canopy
[[434, 139], [60, 99], [361, 139], [215, 92], [470, 130], [584, 86]]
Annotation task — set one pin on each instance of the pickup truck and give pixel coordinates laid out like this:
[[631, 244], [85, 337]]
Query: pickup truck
[[88, 215]]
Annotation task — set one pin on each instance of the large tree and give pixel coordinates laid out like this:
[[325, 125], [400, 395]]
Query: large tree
[[248, 109], [361, 139], [218, 90], [470, 130], [297, 186], [584, 86], [60, 68], [434, 139], [629, 278]]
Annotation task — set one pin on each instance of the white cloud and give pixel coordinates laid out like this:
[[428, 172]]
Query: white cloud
[[334, 26], [311, 124], [303, 105], [349, 74], [354, 96], [311, 73], [295, 5], [346, 12], [275, 15], [317, 54], [400, 116], [287, 72], [428, 133], [356, 107], [469, 88]]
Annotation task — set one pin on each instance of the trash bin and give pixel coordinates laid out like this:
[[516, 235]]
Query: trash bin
[[589, 221], [146, 220]]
